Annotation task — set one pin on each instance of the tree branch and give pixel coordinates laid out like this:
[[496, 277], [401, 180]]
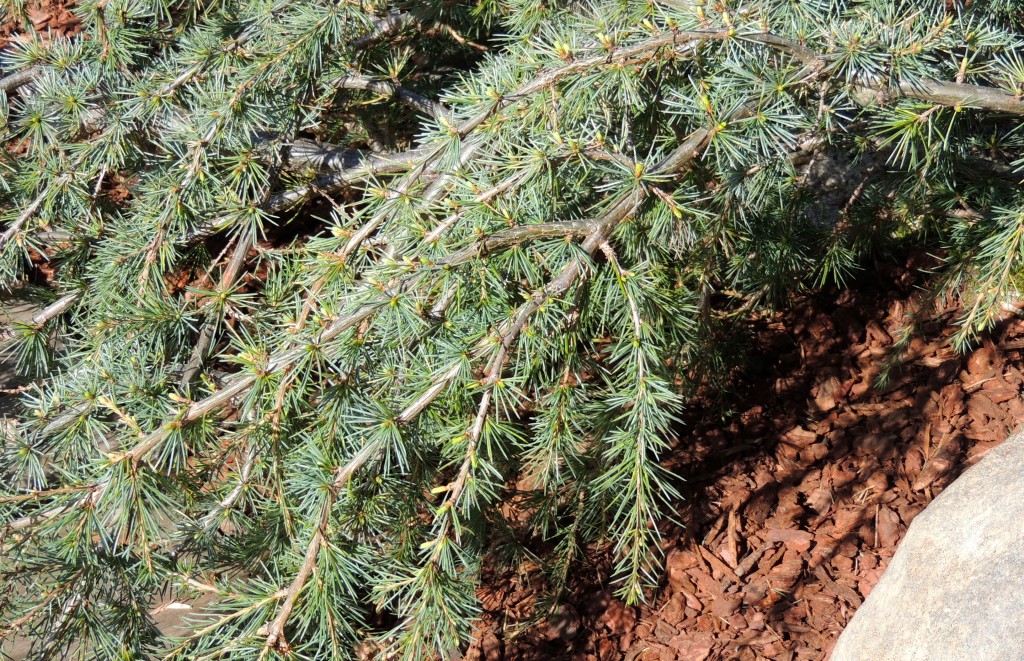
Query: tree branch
[[275, 631], [13, 81], [352, 166], [420, 161], [602, 229], [933, 91], [386, 27], [435, 109], [514, 236], [13, 228], [51, 311], [226, 503]]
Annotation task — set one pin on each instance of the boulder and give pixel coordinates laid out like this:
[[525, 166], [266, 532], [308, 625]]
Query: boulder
[[955, 588]]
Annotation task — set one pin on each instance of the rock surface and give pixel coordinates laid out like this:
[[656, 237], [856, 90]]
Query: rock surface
[[955, 588]]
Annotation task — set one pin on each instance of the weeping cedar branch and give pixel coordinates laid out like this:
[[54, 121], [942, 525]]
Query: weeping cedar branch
[[350, 165]]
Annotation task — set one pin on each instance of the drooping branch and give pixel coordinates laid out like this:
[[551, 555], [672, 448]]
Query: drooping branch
[[381, 29], [349, 165], [421, 163], [275, 631], [567, 277]]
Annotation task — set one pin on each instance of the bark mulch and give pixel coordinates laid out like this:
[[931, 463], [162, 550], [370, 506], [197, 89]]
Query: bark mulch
[[50, 18], [796, 502]]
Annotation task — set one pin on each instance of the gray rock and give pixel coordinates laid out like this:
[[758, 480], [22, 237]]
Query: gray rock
[[955, 588], [835, 177]]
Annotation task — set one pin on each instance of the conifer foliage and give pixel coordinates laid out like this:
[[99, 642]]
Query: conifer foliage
[[343, 300]]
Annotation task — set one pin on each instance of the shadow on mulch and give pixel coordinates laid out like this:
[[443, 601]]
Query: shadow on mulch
[[795, 503]]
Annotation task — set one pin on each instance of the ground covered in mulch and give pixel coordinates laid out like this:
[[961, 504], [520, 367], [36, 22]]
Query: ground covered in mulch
[[797, 500], [50, 18]]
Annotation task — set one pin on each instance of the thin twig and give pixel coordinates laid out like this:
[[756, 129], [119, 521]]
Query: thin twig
[[227, 281], [229, 500], [13, 228], [482, 198]]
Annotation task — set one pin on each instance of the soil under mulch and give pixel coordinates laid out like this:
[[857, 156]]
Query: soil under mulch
[[795, 503]]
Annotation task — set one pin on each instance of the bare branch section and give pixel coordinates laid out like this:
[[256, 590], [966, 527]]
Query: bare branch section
[[504, 239], [13, 81], [13, 228], [386, 88], [387, 27], [350, 165], [51, 311], [942, 93], [960, 95]]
